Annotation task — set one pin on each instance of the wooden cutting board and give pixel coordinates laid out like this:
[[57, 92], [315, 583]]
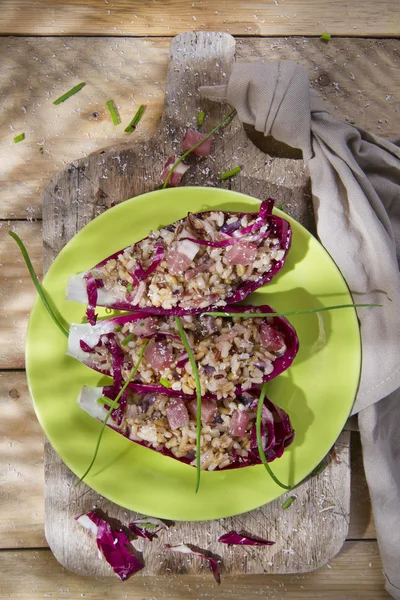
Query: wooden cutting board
[[313, 529]]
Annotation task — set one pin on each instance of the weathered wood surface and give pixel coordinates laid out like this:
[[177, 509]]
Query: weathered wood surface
[[354, 574], [313, 530], [170, 17], [22, 480], [358, 79]]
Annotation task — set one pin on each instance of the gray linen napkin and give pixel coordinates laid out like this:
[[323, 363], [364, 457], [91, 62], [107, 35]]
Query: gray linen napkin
[[355, 179]]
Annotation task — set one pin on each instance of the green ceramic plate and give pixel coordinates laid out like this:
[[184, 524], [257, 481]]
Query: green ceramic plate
[[317, 391]]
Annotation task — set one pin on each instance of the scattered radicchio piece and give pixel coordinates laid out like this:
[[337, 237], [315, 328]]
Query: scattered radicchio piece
[[192, 137], [233, 538], [99, 283], [184, 549], [86, 348], [178, 173], [140, 527], [113, 545], [91, 288], [141, 532]]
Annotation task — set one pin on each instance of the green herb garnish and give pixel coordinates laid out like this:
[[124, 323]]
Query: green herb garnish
[[260, 442], [257, 315], [107, 401], [19, 138], [200, 118], [118, 328], [165, 382], [36, 283], [135, 121], [319, 468], [41, 150], [113, 112], [128, 339], [325, 36], [185, 154], [113, 405], [70, 93], [288, 502], [281, 207], [230, 173], [198, 396], [129, 287]]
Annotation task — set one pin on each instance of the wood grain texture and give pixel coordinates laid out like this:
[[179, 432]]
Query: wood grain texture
[[314, 529], [358, 79], [170, 17], [354, 574], [16, 290], [21, 466]]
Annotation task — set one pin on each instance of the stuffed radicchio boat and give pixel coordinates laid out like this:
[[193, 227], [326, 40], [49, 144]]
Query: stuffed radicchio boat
[[168, 425], [233, 354], [207, 259]]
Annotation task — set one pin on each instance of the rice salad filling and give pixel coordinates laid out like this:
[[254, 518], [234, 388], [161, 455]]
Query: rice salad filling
[[232, 354], [205, 259], [168, 425]]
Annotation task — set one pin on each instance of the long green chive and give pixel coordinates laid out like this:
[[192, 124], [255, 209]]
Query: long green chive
[[288, 502], [113, 112], [113, 405], [128, 339], [129, 287], [290, 313], [198, 395], [185, 154], [70, 93], [260, 442], [230, 173], [135, 121], [325, 36], [36, 283], [200, 118], [107, 401], [19, 138], [165, 382]]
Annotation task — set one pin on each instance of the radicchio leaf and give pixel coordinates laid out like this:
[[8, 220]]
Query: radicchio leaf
[[233, 538], [184, 549], [113, 545]]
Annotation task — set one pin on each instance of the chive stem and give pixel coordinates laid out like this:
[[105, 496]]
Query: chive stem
[[259, 439], [113, 112], [19, 138], [129, 287], [325, 36], [118, 328], [165, 383], [113, 405], [200, 118], [70, 93], [185, 154], [257, 315], [135, 121], [36, 282], [198, 396], [128, 339], [107, 401], [288, 502], [229, 174]]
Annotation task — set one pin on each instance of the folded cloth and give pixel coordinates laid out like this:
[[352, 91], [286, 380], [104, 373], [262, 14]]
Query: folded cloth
[[355, 179]]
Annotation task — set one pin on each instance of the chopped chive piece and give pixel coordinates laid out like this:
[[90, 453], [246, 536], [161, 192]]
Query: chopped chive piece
[[257, 315], [36, 283], [118, 328], [200, 118], [198, 396], [70, 93], [260, 442], [288, 502], [107, 401], [325, 36], [281, 207], [319, 468], [133, 124], [165, 382], [129, 287], [185, 154], [113, 112], [230, 173], [128, 339], [41, 150], [113, 405], [19, 138]]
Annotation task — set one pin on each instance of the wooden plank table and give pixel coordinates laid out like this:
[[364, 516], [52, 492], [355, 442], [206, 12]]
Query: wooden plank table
[[359, 80]]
